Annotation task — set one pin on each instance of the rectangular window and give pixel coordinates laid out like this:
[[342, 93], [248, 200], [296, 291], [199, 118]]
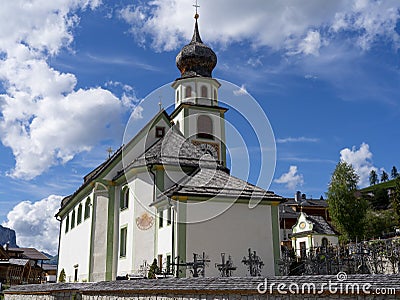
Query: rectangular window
[[122, 242], [168, 263], [161, 219], [160, 132], [169, 215], [160, 262]]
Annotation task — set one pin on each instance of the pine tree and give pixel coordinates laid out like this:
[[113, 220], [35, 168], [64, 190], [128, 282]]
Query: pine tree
[[394, 174], [384, 176], [62, 276], [346, 210], [395, 198], [373, 177], [153, 270]]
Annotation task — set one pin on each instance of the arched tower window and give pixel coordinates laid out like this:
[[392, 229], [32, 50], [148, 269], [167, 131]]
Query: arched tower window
[[215, 94], [204, 127], [73, 219], [204, 91], [79, 220], [188, 92], [177, 96], [124, 200], [87, 208]]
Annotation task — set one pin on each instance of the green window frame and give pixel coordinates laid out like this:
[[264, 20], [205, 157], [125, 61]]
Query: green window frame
[[123, 241]]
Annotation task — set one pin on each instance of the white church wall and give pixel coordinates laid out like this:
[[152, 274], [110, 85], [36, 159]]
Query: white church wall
[[143, 237], [99, 240], [164, 239], [231, 232], [75, 247], [126, 220]]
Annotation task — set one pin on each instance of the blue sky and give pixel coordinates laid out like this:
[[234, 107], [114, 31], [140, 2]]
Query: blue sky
[[326, 74]]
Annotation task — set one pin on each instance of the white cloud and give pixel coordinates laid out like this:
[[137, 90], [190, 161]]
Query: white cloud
[[241, 91], [35, 224], [294, 26], [311, 43], [291, 179], [44, 119], [361, 160], [299, 139]]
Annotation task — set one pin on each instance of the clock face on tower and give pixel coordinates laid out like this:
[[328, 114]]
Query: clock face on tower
[[207, 147]]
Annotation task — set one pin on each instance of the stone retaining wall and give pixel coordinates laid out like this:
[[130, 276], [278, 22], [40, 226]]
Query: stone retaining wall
[[247, 288]]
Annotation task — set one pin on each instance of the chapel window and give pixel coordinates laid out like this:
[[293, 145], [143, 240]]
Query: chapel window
[[79, 219], [73, 219], [67, 224], [124, 201], [87, 208], [215, 94], [122, 241]]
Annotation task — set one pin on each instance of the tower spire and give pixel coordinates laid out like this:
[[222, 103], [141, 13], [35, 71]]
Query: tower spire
[[196, 59]]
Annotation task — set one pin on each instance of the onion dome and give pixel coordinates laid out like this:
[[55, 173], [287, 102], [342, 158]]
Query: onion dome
[[196, 59]]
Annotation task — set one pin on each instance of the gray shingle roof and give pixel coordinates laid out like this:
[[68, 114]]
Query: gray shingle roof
[[172, 149], [211, 182], [321, 225]]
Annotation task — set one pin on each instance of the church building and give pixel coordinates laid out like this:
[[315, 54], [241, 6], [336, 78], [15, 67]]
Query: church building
[[168, 195]]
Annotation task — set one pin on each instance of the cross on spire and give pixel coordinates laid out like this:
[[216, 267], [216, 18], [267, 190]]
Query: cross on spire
[[196, 16]]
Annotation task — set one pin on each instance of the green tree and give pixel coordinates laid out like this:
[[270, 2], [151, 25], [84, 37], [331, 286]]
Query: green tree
[[395, 199], [394, 174], [153, 270], [380, 200], [384, 176], [378, 222], [373, 177], [62, 276], [345, 208]]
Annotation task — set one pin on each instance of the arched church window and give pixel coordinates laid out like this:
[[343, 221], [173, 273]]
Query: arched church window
[[124, 200], [188, 92], [204, 127], [215, 94], [67, 224], [177, 96], [79, 219], [204, 91], [87, 208], [73, 219]]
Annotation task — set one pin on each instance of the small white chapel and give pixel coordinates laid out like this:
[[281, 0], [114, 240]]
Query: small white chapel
[[167, 195]]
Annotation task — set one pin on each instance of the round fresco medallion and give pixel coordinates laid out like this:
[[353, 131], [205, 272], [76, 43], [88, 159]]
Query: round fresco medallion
[[145, 221], [302, 225]]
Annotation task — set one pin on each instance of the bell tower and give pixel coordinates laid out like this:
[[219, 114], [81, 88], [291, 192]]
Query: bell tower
[[197, 113]]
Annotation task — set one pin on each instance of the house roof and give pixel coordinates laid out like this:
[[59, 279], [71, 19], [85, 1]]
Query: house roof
[[212, 182], [306, 202], [321, 225], [30, 253], [287, 212]]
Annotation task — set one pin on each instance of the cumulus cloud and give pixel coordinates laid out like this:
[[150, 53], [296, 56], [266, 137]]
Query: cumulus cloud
[[35, 225], [361, 160], [291, 179], [298, 27], [44, 119]]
